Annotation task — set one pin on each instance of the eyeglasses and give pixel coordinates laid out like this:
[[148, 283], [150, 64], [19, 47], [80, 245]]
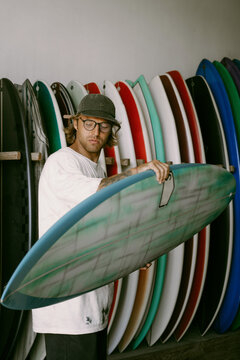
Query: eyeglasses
[[91, 124]]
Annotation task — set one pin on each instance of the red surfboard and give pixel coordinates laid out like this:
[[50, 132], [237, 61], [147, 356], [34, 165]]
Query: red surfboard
[[187, 155], [92, 88], [134, 119], [203, 240]]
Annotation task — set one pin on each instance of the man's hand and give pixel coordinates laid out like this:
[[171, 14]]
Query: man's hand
[[147, 266], [161, 170]]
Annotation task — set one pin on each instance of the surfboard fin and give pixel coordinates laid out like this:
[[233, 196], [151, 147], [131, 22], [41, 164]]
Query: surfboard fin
[[168, 187]]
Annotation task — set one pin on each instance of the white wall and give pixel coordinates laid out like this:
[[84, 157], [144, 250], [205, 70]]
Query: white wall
[[94, 40]]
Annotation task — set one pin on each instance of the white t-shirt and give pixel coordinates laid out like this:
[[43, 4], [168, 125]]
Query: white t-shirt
[[67, 179]]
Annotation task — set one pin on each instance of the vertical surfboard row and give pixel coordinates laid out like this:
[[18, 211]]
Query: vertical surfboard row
[[169, 119]]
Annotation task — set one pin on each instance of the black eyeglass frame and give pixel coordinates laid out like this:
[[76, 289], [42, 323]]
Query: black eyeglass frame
[[101, 128]]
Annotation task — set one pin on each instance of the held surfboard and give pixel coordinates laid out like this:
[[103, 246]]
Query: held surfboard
[[72, 257], [231, 300]]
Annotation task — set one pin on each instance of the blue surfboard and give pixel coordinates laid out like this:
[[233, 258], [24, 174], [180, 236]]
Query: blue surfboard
[[116, 231], [232, 297]]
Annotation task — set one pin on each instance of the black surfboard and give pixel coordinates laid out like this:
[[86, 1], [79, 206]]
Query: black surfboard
[[17, 220], [220, 235], [233, 70], [64, 101]]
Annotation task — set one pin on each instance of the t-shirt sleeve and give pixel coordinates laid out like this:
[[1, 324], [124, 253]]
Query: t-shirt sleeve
[[64, 183], [70, 184], [67, 182]]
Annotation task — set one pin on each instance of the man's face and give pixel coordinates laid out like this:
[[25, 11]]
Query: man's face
[[90, 142]]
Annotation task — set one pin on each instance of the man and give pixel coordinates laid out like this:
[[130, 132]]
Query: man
[[76, 329]]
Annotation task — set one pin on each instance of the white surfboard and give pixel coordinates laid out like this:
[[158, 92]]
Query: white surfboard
[[142, 103], [141, 305], [172, 327], [76, 91], [126, 149], [115, 306], [146, 277], [176, 256], [124, 309], [120, 325], [143, 123], [38, 350], [25, 338]]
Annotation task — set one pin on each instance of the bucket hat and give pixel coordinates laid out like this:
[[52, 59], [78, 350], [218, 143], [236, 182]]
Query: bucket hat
[[99, 106]]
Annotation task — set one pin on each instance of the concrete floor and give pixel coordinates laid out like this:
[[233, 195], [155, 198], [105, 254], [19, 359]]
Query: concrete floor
[[192, 347]]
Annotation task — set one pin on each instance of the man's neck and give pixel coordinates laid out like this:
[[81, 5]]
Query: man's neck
[[91, 156]]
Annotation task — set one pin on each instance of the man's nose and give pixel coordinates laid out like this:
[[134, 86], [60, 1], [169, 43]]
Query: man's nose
[[96, 130]]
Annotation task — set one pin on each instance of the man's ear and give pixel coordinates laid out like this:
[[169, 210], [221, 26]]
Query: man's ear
[[75, 124]]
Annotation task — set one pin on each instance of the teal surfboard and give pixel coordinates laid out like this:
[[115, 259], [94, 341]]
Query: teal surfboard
[[116, 231], [51, 116], [154, 125]]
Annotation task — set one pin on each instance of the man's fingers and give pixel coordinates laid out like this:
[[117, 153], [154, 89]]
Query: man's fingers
[[161, 170]]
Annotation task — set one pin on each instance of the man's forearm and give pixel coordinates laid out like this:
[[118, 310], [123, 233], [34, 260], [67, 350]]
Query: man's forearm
[[112, 179], [161, 170]]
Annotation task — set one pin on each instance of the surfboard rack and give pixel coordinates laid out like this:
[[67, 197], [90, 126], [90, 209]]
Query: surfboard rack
[[36, 156], [16, 155], [140, 161], [111, 161], [124, 162]]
